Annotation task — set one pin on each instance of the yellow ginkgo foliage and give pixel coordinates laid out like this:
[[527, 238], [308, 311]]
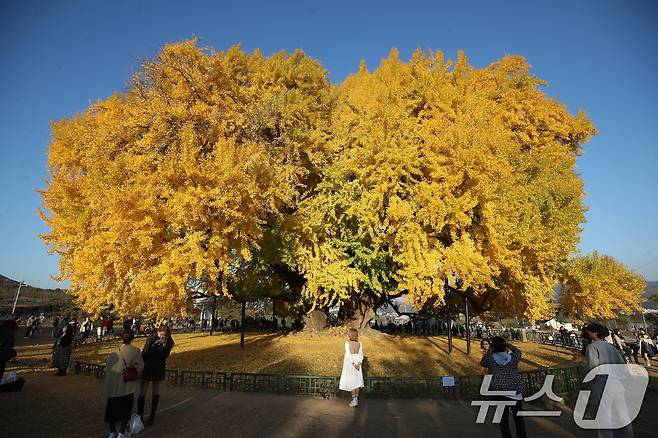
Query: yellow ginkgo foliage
[[440, 170], [239, 169], [177, 177], [598, 286]]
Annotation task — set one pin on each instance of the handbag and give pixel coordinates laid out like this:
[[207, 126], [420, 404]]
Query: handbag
[[130, 374]]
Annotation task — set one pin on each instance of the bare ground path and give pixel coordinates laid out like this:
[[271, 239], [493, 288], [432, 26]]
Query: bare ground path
[[72, 406]]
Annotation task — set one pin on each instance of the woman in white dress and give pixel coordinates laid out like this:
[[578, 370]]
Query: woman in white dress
[[351, 378]]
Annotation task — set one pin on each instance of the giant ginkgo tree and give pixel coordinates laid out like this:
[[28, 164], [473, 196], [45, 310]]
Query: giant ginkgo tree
[[177, 178], [243, 171], [443, 171]]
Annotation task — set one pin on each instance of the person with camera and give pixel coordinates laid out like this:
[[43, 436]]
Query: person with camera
[[155, 354], [502, 362]]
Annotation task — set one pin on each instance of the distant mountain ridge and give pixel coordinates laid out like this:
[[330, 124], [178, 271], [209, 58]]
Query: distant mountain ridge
[[651, 289], [30, 297]]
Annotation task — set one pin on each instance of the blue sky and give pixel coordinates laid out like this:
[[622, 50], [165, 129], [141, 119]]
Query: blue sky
[[600, 56]]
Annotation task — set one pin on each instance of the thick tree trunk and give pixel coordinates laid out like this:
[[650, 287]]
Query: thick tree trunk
[[361, 319], [212, 317], [315, 321], [357, 314]]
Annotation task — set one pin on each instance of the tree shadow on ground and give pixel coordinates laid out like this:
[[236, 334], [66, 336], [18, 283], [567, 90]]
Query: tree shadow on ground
[[261, 354], [423, 357], [278, 353], [548, 357]]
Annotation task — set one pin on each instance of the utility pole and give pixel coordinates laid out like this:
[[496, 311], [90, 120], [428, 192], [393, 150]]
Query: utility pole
[[18, 292]]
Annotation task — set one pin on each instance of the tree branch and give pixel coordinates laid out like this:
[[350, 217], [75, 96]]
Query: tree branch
[[189, 82]]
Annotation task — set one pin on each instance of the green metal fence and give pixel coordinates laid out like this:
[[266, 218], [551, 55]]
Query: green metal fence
[[316, 386], [567, 381], [90, 369]]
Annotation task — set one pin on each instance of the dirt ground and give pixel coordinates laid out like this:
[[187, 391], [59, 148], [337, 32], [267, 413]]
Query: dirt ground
[[311, 354], [72, 406]]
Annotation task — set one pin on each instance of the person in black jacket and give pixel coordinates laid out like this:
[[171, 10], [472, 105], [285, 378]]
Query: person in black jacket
[[155, 353], [62, 350], [7, 340]]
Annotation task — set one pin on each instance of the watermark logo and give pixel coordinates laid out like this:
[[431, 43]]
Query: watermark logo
[[619, 396], [618, 390]]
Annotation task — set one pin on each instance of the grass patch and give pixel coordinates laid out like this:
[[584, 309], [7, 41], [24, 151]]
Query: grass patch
[[309, 354]]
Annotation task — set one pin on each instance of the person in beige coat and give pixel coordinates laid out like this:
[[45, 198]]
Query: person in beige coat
[[119, 393]]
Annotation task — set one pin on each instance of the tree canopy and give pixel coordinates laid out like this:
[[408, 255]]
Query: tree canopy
[[254, 171], [598, 286], [179, 176], [439, 170]]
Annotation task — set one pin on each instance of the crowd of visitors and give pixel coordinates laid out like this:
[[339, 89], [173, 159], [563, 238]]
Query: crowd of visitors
[[600, 346], [439, 328], [32, 324], [252, 324], [639, 345], [129, 370]]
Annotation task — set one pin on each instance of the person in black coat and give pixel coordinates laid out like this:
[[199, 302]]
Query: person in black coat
[[62, 350], [7, 340], [155, 353]]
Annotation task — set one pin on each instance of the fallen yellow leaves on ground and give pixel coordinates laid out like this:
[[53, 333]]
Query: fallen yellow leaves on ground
[[311, 354]]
